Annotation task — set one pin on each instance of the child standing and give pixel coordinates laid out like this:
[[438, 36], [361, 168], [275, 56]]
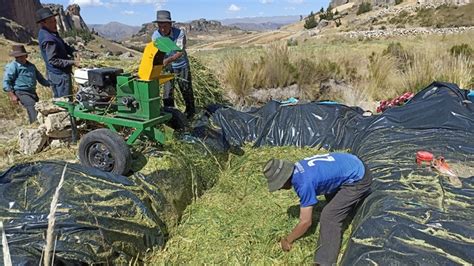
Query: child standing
[[19, 81]]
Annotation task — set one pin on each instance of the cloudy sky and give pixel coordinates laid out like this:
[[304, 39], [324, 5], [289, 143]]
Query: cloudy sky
[[137, 12]]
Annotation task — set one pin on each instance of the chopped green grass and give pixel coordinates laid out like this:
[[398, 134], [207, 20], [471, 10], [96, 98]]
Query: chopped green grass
[[239, 222]]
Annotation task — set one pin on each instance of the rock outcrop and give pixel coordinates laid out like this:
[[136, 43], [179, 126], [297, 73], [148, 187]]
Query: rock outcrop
[[192, 28], [22, 12], [70, 19], [12, 31]]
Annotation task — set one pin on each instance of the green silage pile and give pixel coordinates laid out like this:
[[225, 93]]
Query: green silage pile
[[181, 172], [238, 221]]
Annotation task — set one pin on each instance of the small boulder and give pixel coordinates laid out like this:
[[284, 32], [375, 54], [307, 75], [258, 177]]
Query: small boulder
[[57, 125], [32, 140], [48, 107], [57, 143]]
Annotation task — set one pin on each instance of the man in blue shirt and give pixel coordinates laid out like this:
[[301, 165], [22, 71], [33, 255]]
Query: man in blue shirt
[[57, 55], [177, 62], [19, 81], [341, 177]]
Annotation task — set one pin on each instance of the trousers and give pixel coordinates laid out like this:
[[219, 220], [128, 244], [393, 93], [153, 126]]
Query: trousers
[[341, 204], [183, 78], [28, 100]]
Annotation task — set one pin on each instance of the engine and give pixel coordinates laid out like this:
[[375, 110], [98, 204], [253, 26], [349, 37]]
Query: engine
[[97, 87]]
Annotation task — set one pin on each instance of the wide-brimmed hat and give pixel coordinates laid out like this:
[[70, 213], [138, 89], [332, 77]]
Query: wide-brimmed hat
[[18, 50], [44, 13], [163, 16], [277, 173]]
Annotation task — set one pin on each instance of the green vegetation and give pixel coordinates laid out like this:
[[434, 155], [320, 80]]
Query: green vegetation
[[364, 8], [462, 50], [397, 2], [378, 69], [239, 222], [310, 22], [84, 34], [440, 17], [328, 15]]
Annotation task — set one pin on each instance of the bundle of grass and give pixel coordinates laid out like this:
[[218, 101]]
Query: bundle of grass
[[239, 222]]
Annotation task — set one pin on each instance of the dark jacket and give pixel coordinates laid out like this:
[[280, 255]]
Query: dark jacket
[[57, 55]]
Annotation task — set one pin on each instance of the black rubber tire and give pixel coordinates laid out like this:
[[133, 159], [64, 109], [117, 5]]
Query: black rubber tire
[[105, 150], [178, 120]]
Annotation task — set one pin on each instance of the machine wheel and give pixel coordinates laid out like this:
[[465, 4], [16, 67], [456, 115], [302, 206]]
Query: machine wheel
[[105, 150]]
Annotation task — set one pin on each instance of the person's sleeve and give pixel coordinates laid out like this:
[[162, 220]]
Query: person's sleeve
[[9, 78], [181, 40], [52, 56], [69, 49], [307, 195], [41, 78]]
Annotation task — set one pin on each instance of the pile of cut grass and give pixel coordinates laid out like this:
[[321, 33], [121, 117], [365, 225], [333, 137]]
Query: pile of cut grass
[[239, 222]]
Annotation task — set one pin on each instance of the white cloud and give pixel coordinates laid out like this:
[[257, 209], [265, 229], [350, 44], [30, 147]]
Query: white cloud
[[128, 12], [83, 3], [234, 8], [157, 3], [296, 2], [266, 1]]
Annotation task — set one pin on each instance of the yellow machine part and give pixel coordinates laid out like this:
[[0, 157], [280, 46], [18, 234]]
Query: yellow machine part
[[147, 71]]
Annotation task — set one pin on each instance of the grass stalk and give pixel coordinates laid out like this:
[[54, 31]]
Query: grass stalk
[[50, 243]]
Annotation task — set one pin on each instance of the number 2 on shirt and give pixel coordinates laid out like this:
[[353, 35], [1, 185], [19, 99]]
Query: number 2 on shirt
[[320, 157]]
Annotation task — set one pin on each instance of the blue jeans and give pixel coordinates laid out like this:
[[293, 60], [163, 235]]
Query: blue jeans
[[60, 84]]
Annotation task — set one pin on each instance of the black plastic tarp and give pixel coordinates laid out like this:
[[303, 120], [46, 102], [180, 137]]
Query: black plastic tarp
[[415, 215], [102, 218]]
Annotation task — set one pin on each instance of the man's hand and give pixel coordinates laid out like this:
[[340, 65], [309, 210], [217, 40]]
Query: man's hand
[[285, 244], [77, 62], [13, 98]]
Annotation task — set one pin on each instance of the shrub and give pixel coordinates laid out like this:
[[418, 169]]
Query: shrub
[[397, 2], [310, 22], [364, 8], [292, 42], [462, 50], [401, 55]]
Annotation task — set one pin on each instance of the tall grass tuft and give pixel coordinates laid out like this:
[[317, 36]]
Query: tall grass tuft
[[50, 243], [273, 69], [384, 79], [237, 78], [428, 67]]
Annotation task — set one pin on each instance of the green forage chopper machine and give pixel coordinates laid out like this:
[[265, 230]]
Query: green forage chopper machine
[[120, 101]]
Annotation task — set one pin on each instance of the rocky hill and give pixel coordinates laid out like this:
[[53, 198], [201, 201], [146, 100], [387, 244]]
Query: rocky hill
[[195, 29], [69, 19], [22, 12], [385, 3], [261, 23], [19, 24], [115, 30]]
